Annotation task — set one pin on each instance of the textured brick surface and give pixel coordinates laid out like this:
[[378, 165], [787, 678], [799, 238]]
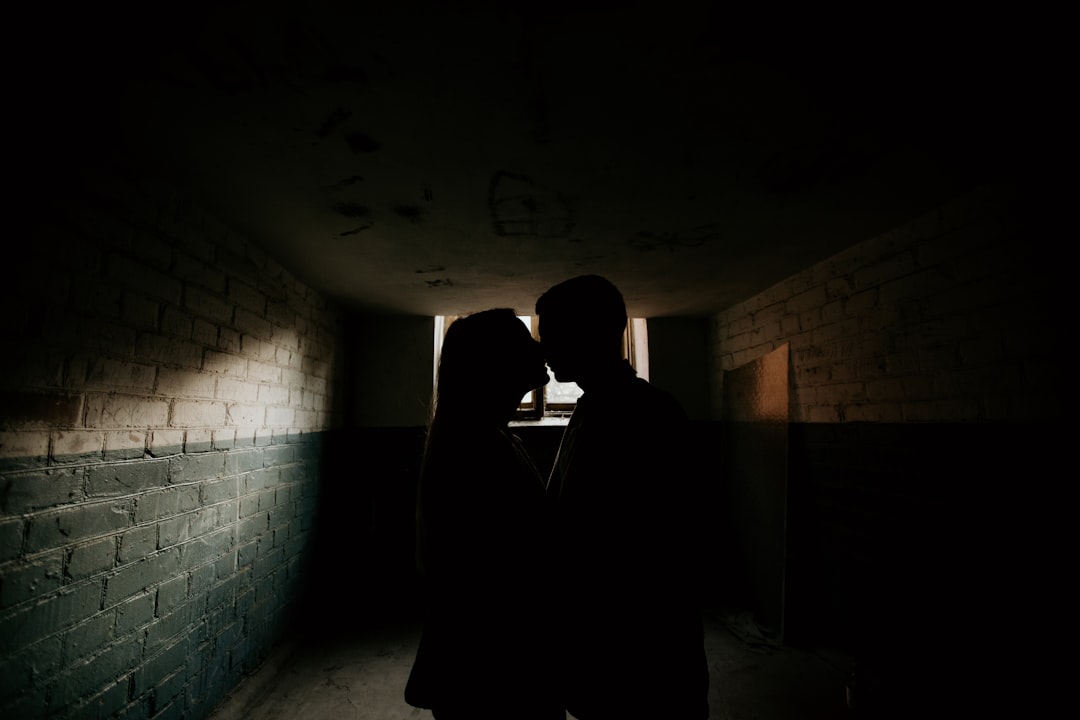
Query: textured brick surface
[[139, 477], [126, 478], [909, 326], [34, 490]]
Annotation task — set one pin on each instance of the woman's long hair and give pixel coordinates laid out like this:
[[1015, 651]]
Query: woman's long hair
[[470, 393]]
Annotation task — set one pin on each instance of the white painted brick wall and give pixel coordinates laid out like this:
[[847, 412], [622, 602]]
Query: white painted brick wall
[[147, 343], [934, 321], [197, 413]]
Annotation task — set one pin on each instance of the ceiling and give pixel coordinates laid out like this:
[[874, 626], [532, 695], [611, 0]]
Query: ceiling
[[413, 158]]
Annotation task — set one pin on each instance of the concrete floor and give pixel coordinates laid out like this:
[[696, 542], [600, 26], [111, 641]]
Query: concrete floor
[[360, 675]]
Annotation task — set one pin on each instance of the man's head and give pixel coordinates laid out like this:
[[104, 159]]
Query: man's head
[[582, 321]]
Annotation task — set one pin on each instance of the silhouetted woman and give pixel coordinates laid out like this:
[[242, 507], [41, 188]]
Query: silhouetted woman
[[483, 534]]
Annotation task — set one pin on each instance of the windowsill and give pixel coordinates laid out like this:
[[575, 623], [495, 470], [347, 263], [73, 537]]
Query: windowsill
[[547, 421]]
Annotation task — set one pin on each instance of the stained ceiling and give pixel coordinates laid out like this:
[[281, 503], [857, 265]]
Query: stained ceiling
[[431, 158]]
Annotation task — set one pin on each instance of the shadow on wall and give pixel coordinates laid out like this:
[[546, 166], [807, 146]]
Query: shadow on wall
[[363, 569]]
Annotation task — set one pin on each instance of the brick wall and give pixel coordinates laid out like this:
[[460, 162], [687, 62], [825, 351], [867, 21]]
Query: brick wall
[[165, 390], [945, 319], [926, 433]]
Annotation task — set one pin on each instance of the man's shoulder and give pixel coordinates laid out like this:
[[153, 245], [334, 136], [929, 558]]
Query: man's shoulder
[[664, 403], [641, 399]]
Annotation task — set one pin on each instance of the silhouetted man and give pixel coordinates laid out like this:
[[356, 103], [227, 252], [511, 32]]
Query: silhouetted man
[[628, 512]]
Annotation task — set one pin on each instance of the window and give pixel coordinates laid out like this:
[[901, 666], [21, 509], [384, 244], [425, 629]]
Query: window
[[557, 400]]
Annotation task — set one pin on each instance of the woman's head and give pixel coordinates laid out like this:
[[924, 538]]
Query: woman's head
[[489, 361]]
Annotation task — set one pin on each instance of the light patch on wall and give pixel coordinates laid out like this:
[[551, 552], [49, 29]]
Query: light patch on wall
[[639, 346], [287, 338], [225, 364], [759, 390], [23, 445], [244, 415], [68, 443], [124, 441]]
